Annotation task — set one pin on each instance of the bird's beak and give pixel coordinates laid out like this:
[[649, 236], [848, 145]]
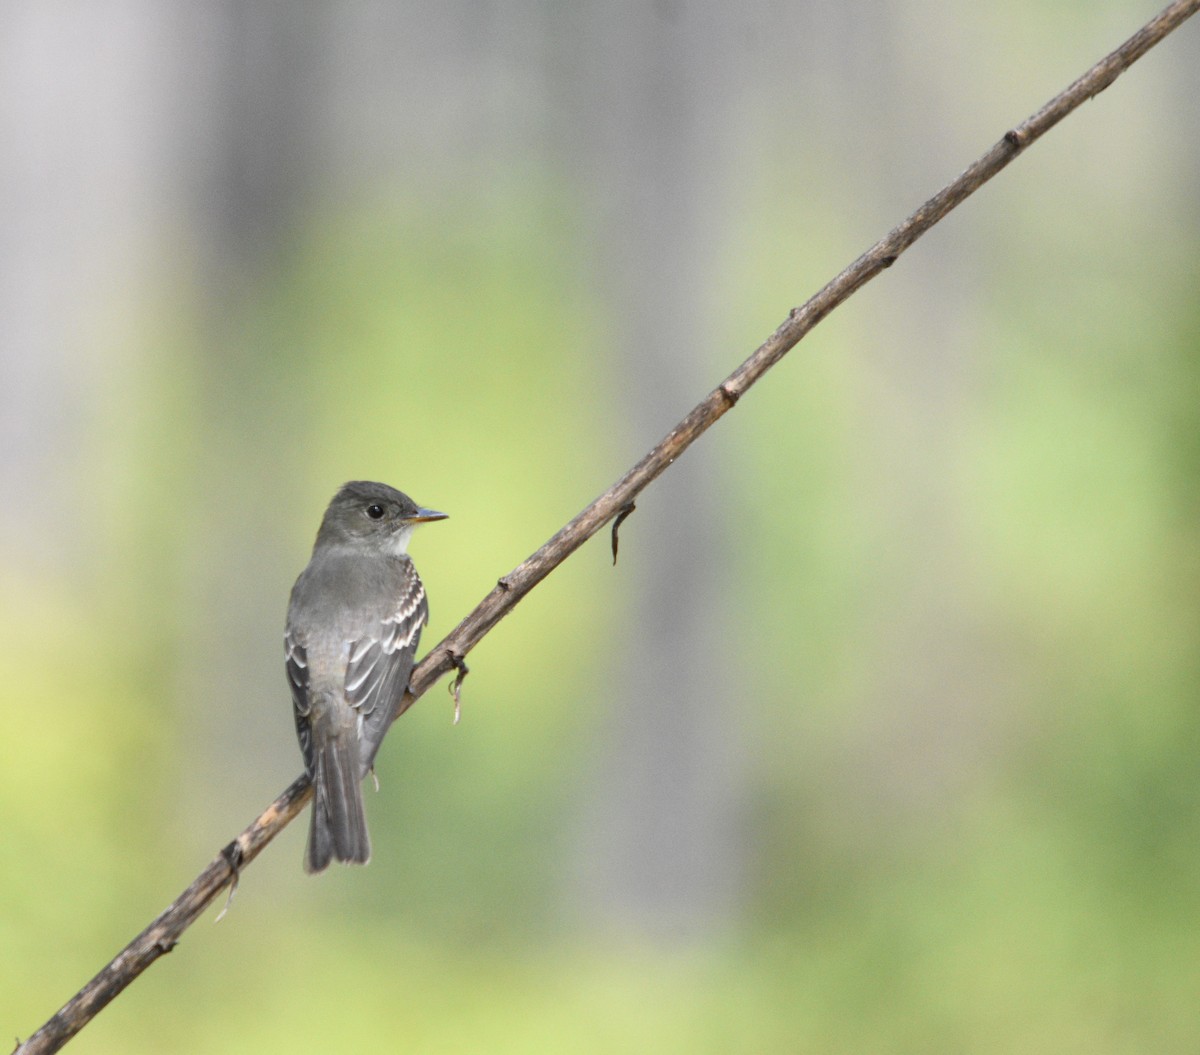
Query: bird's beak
[[422, 516]]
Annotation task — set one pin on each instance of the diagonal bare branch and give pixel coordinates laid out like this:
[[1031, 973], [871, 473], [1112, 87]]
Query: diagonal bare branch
[[164, 932]]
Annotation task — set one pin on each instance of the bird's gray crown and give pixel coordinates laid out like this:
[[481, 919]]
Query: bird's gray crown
[[365, 511]]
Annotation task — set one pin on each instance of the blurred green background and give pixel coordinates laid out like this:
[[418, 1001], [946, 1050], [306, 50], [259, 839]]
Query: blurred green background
[[883, 734]]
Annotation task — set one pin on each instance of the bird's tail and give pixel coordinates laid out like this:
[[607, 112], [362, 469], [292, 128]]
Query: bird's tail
[[339, 822]]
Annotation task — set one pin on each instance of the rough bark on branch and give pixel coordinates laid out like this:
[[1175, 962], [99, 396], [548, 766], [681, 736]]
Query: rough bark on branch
[[164, 932]]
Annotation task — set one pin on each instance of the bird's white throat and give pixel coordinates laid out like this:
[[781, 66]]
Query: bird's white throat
[[397, 543]]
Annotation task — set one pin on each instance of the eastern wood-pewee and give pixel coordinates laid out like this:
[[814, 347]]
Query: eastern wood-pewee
[[353, 625]]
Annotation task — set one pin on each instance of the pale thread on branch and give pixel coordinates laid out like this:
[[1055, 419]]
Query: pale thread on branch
[[164, 932]]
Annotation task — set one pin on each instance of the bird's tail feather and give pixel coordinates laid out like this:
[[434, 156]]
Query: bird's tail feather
[[339, 822]]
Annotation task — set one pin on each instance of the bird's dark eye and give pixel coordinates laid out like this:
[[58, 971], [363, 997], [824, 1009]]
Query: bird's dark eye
[[375, 512]]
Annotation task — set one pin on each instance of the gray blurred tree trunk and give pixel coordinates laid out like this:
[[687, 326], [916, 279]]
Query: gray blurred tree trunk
[[250, 79], [656, 98], [81, 173]]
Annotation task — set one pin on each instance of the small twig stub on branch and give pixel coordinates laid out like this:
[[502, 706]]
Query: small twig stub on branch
[[620, 519], [460, 665]]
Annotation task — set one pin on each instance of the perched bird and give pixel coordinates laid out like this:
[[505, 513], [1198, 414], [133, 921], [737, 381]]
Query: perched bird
[[353, 625]]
